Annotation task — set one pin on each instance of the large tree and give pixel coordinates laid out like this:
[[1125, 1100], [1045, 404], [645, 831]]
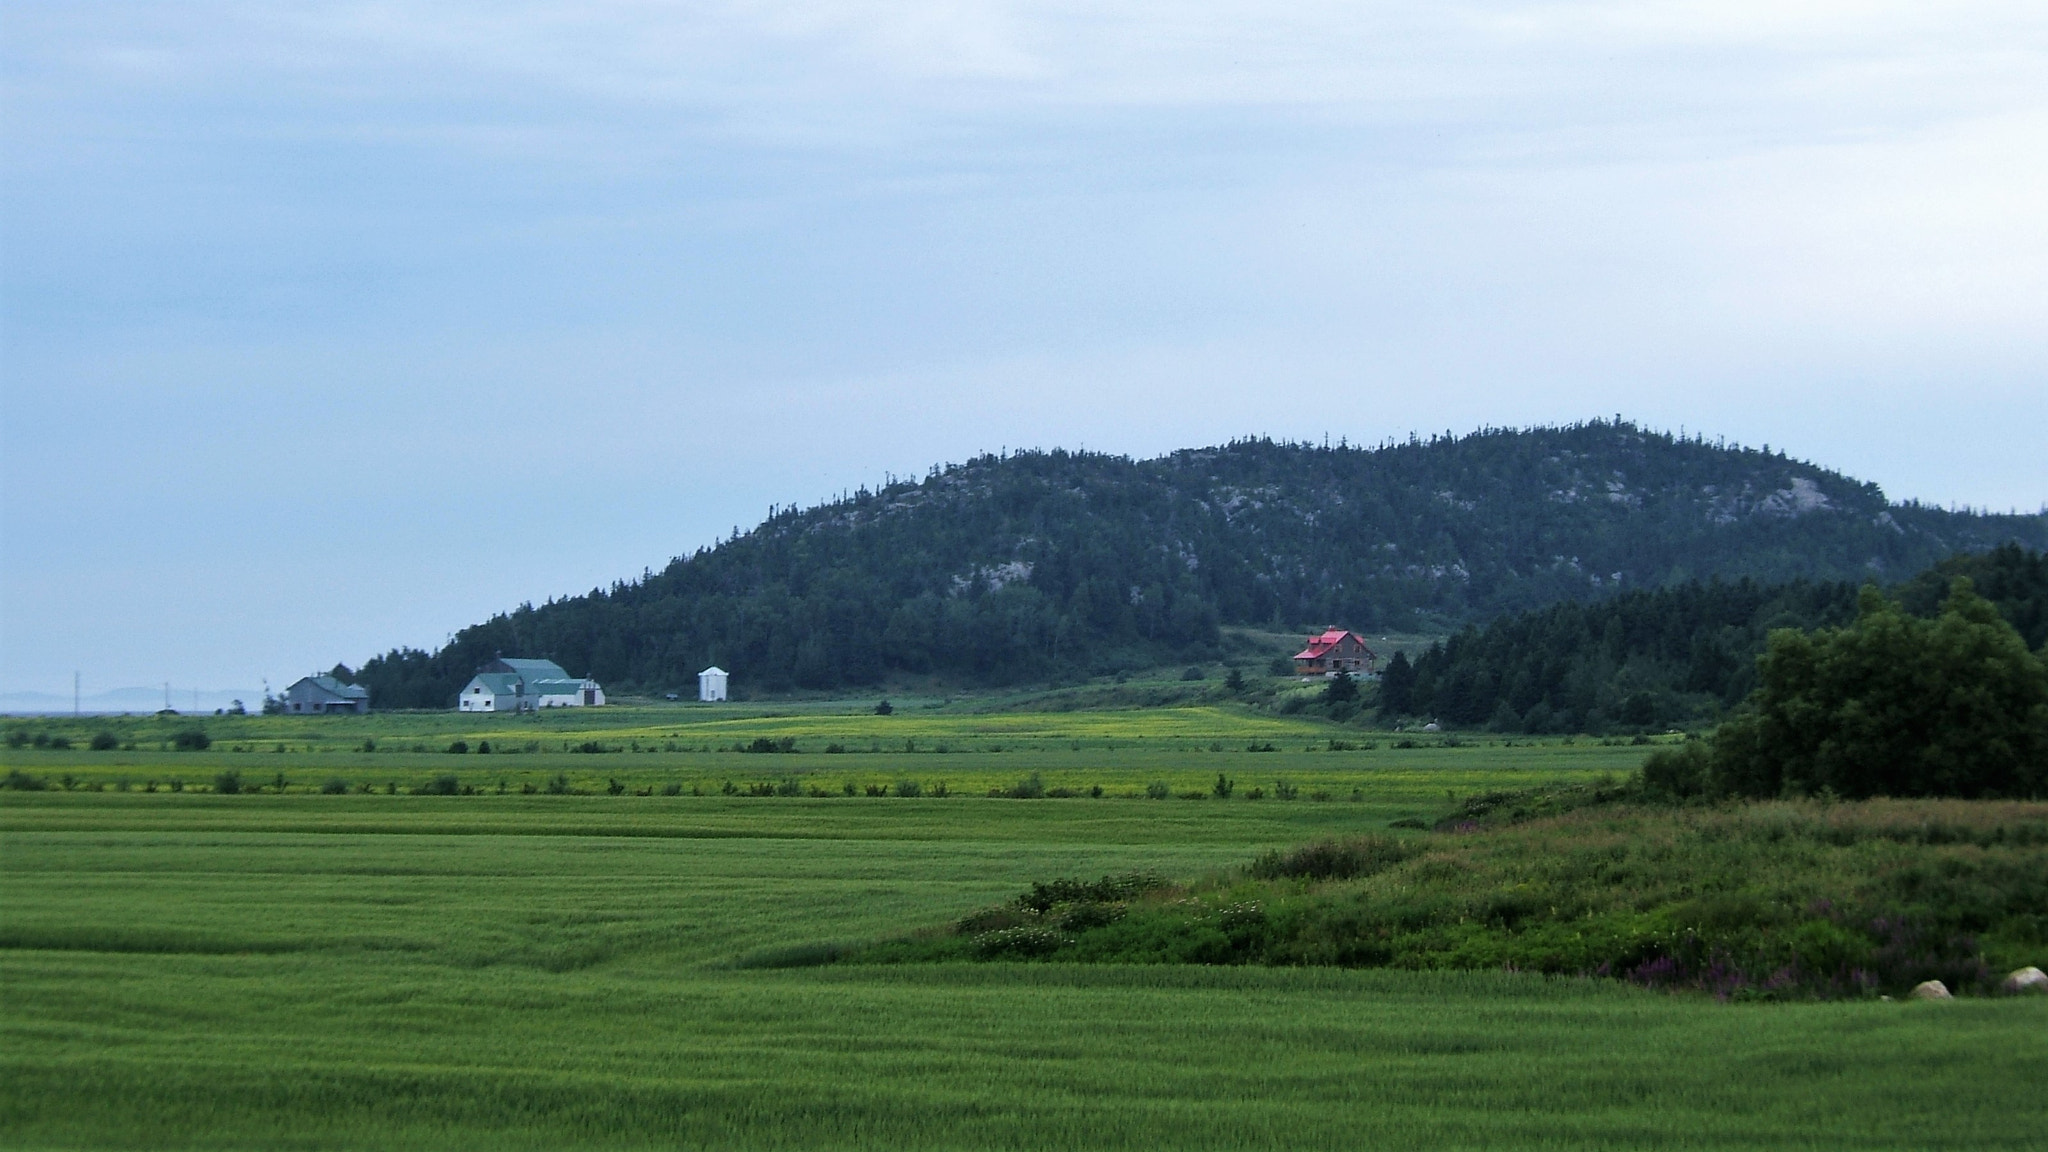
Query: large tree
[[1891, 705]]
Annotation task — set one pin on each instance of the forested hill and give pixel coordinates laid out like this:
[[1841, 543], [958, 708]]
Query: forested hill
[[1031, 565]]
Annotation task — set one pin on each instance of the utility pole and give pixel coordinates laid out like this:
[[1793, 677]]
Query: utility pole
[[167, 695]]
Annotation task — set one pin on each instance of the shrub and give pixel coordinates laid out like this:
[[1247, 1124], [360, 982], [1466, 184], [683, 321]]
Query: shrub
[[446, 784], [460, 747], [671, 789], [226, 783], [1193, 672], [1333, 859], [1020, 943], [1157, 790], [765, 744], [558, 784], [1284, 791], [614, 788], [1280, 666], [884, 708], [104, 742], [1032, 787], [21, 781], [790, 787], [835, 749], [369, 745], [1223, 787], [909, 788], [192, 740], [483, 748], [17, 737], [334, 788], [60, 743]]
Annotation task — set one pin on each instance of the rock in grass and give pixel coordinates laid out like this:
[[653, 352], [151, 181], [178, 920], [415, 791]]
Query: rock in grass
[[1931, 990], [2027, 979]]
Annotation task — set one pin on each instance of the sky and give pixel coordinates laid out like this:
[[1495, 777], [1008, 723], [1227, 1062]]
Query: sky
[[329, 328]]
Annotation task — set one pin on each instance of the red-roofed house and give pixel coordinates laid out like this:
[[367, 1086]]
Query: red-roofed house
[[1335, 651]]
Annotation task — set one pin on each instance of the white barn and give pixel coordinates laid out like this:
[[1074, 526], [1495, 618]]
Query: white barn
[[527, 686], [711, 684]]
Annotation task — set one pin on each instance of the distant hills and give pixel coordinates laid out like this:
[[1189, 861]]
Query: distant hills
[[117, 701], [1036, 565]]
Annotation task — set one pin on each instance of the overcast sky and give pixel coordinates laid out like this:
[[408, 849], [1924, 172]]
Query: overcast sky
[[328, 328]]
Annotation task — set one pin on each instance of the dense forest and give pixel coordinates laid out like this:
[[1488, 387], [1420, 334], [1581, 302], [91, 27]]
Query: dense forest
[[1650, 659], [1029, 566]]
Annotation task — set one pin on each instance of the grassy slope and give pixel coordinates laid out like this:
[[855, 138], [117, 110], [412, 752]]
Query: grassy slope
[[1786, 899], [449, 973]]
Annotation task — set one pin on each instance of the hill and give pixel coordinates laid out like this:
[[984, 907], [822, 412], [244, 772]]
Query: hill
[[1035, 565]]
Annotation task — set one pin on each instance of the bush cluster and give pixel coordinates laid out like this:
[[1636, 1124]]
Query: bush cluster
[[1334, 859]]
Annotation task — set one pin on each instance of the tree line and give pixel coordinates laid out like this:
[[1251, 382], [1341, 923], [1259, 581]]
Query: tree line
[[1672, 656]]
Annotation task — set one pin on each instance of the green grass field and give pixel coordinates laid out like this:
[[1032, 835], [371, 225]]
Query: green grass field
[[187, 970], [963, 746]]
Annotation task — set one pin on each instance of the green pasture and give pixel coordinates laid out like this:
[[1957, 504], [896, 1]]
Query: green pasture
[[693, 749], [968, 723], [188, 970]]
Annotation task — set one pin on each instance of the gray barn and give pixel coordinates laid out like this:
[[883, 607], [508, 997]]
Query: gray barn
[[325, 694]]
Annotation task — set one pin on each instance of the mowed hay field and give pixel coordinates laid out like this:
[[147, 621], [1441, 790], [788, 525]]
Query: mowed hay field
[[190, 970]]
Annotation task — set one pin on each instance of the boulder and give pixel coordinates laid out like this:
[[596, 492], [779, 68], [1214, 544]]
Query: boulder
[[2026, 980], [1931, 990]]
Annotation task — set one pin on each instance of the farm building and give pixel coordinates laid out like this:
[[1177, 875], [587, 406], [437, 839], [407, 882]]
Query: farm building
[[323, 694], [527, 686], [711, 684], [1334, 651]]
